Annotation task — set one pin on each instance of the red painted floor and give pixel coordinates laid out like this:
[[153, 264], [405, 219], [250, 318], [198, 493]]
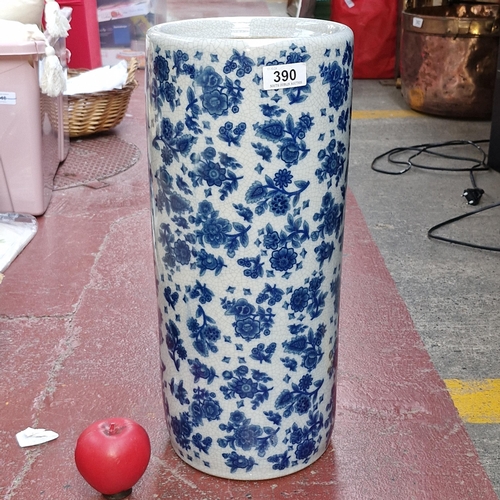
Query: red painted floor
[[78, 343]]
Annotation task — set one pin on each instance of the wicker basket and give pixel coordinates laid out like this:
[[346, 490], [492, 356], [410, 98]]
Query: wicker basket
[[100, 111]]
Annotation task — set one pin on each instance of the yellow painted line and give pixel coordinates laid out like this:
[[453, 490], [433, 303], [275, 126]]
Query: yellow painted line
[[477, 401], [377, 114]]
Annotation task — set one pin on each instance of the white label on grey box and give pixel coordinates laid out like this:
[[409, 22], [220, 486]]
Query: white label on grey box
[[8, 98], [284, 76]]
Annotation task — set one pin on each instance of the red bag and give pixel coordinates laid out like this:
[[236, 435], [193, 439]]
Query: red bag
[[374, 23]]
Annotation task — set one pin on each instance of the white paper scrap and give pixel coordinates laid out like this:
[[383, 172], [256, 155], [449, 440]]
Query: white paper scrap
[[33, 437]]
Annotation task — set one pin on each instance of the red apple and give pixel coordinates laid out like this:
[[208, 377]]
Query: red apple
[[112, 455]]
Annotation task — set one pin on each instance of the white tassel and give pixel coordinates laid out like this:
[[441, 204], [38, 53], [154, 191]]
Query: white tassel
[[55, 22], [53, 79]]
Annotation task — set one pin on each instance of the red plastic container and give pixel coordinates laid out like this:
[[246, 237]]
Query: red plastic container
[[374, 23], [83, 40]]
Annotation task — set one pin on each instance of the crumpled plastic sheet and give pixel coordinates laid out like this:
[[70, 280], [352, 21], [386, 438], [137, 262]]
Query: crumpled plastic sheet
[[98, 80]]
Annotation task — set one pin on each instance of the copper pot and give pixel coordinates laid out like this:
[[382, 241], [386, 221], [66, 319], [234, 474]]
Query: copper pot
[[449, 58]]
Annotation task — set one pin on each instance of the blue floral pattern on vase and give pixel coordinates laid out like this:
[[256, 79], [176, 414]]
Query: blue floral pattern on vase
[[248, 193]]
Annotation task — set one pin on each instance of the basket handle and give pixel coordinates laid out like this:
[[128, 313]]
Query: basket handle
[[132, 67]]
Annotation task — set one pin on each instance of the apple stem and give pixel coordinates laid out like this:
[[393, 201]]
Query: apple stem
[[112, 429]]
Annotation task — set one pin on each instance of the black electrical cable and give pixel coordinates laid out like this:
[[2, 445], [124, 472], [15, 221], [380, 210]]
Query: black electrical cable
[[455, 219], [472, 195], [429, 148]]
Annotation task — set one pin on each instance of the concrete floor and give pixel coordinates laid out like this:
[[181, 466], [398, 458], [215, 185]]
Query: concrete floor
[[78, 333]]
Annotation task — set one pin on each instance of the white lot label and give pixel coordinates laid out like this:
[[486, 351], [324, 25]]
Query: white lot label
[[418, 22], [284, 76], [7, 98]]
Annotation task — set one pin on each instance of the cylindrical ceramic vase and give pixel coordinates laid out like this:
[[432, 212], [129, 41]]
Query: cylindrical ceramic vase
[[248, 131]]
